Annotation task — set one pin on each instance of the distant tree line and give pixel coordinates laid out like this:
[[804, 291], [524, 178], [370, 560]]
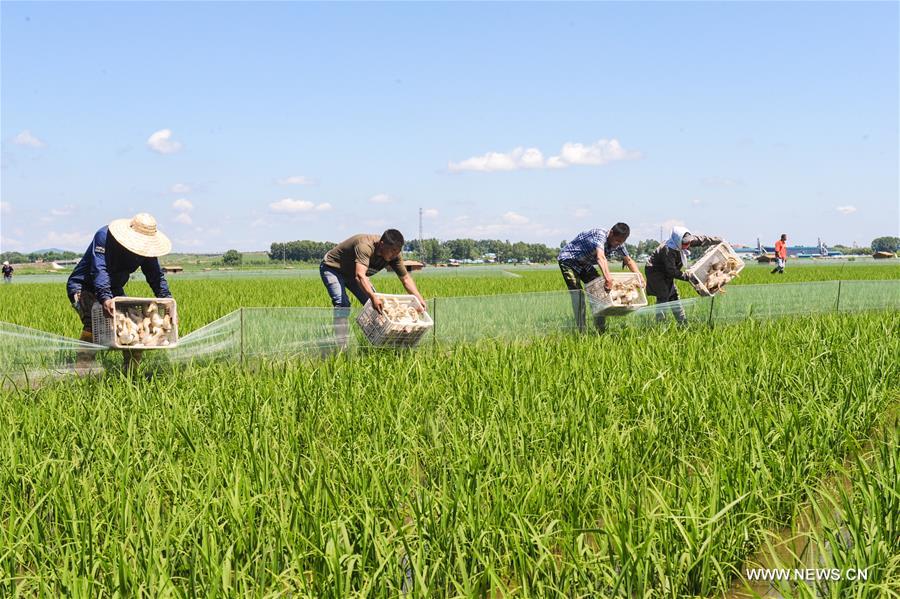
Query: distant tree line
[[19, 258], [232, 258], [643, 247], [300, 251], [435, 251], [475, 249], [850, 251], [886, 244]]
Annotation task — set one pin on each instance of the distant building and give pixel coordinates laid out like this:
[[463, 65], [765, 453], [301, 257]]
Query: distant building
[[767, 253], [172, 269], [411, 265], [61, 264]]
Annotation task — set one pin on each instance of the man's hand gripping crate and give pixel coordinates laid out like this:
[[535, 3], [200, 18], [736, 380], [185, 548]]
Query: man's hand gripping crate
[[137, 323], [401, 324], [626, 294]]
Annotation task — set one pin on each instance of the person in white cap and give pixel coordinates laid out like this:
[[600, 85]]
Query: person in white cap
[[7, 272], [665, 265], [116, 251]]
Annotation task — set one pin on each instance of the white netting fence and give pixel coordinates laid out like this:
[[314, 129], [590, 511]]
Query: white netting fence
[[254, 334]]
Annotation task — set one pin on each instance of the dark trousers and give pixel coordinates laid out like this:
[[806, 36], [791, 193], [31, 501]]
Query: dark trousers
[[664, 290], [337, 285], [779, 266], [574, 277]]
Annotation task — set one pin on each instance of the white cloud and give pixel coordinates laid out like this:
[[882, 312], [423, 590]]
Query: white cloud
[[184, 218], [5, 208], [292, 206], [518, 158], [162, 142], [66, 210], [556, 162], [181, 188], [430, 213], [25, 138], [381, 198], [532, 158], [182, 205], [297, 180], [598, 153], [513, 218], [582, 212], [696, 202], [846, 209], [66, 240], [187, 242]]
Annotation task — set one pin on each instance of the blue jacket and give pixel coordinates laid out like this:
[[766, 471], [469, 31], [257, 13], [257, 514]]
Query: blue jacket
[[106, 266]]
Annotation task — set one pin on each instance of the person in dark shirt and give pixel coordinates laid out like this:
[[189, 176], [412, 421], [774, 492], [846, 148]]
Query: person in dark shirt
[[7, 272], [116, 251], [665, 265]]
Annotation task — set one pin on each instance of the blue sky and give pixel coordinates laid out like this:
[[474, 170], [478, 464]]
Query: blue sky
[[241, 124]]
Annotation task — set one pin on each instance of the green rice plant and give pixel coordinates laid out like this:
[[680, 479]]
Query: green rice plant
[[640, 463], [849, 530]]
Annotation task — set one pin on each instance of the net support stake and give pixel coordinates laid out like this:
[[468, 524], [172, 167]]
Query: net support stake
[[434, 318], [837, 307], [242, 337], [712, 304]]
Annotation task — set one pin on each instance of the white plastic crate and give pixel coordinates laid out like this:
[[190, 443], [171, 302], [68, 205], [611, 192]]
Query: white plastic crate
[[717, 254], [104, 330], [381, 331], [600, 301]]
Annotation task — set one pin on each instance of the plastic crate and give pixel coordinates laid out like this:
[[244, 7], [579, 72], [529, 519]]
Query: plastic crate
[[600, 301], [104, 330], [381, 331], [699, 272]]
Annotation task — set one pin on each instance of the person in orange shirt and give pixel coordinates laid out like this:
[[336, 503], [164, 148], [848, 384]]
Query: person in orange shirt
[[780, 254]]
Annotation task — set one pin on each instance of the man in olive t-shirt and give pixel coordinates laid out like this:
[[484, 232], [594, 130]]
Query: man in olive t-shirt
[[349, 264]]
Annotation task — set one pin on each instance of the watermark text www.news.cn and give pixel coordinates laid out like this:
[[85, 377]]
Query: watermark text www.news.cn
[[807, 574]]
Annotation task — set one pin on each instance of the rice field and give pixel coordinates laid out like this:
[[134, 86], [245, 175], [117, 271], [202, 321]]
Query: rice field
[[44, 306], [645, 462]]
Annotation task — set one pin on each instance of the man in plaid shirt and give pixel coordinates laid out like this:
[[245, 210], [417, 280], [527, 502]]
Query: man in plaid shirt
[[579, 259]]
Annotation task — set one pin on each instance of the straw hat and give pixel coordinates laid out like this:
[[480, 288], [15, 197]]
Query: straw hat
[[6, 263], [140, 236]]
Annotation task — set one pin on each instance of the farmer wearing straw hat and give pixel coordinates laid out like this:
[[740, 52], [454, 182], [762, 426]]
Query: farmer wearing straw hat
[[116, 251], [7, 272], [665, 265], [578, 262]]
